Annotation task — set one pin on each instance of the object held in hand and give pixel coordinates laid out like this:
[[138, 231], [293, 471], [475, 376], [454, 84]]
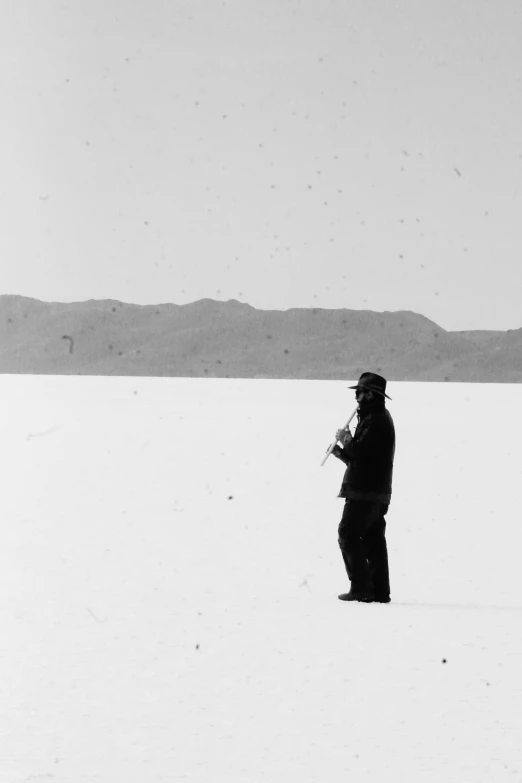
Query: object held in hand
[[344, 429]]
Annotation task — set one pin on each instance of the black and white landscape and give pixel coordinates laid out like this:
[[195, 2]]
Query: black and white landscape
[[215, 217]]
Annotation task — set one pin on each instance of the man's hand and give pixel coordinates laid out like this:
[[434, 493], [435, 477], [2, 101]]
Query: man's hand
[[343, 436]]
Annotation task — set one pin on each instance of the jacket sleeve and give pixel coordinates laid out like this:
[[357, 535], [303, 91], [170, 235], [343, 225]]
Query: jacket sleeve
[[340, 453], [366, 445]]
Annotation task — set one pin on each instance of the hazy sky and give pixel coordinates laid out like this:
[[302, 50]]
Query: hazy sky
[[286, 153]]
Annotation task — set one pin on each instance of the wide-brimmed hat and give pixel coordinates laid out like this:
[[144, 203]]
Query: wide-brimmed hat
[[372, 382]]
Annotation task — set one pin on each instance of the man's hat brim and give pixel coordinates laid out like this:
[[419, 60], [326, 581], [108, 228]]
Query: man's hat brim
[[369, 387]]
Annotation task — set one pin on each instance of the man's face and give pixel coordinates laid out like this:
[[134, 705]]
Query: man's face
[[363, 395]]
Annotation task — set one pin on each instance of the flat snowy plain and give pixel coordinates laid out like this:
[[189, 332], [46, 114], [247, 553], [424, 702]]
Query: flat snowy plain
[[169, 575]]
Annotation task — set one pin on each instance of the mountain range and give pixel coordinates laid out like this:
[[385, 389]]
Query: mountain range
[[211, 339]]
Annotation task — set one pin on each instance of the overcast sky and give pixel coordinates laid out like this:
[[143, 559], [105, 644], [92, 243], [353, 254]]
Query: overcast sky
[[286, 153]]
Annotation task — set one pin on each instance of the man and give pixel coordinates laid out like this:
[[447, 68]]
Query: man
[[366, 488]]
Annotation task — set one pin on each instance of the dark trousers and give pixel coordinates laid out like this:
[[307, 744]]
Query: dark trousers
[[363, 546]]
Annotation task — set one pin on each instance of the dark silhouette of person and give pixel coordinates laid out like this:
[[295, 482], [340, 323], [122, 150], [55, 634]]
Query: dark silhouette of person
[[366, 489]]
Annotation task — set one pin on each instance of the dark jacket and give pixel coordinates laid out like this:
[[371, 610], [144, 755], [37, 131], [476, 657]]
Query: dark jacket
[[369, 456]]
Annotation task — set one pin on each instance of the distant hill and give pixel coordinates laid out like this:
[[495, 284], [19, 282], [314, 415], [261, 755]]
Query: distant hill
[[231, 339]]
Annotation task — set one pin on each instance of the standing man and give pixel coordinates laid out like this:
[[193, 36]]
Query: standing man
[[366, 488]]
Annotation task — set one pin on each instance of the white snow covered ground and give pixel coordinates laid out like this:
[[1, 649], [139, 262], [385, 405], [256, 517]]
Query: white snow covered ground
[[169, 572]]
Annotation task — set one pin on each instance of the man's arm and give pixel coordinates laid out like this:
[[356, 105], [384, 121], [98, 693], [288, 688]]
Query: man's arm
[[339, 452], [369, 442]]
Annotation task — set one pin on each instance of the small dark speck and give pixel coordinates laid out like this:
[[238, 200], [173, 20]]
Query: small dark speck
[[286, 350], [120, 353], [197, 646], [113, 309], [457, 172], [231, 497], [94, 616], [444, 660], [145, 222], [71, 342]]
